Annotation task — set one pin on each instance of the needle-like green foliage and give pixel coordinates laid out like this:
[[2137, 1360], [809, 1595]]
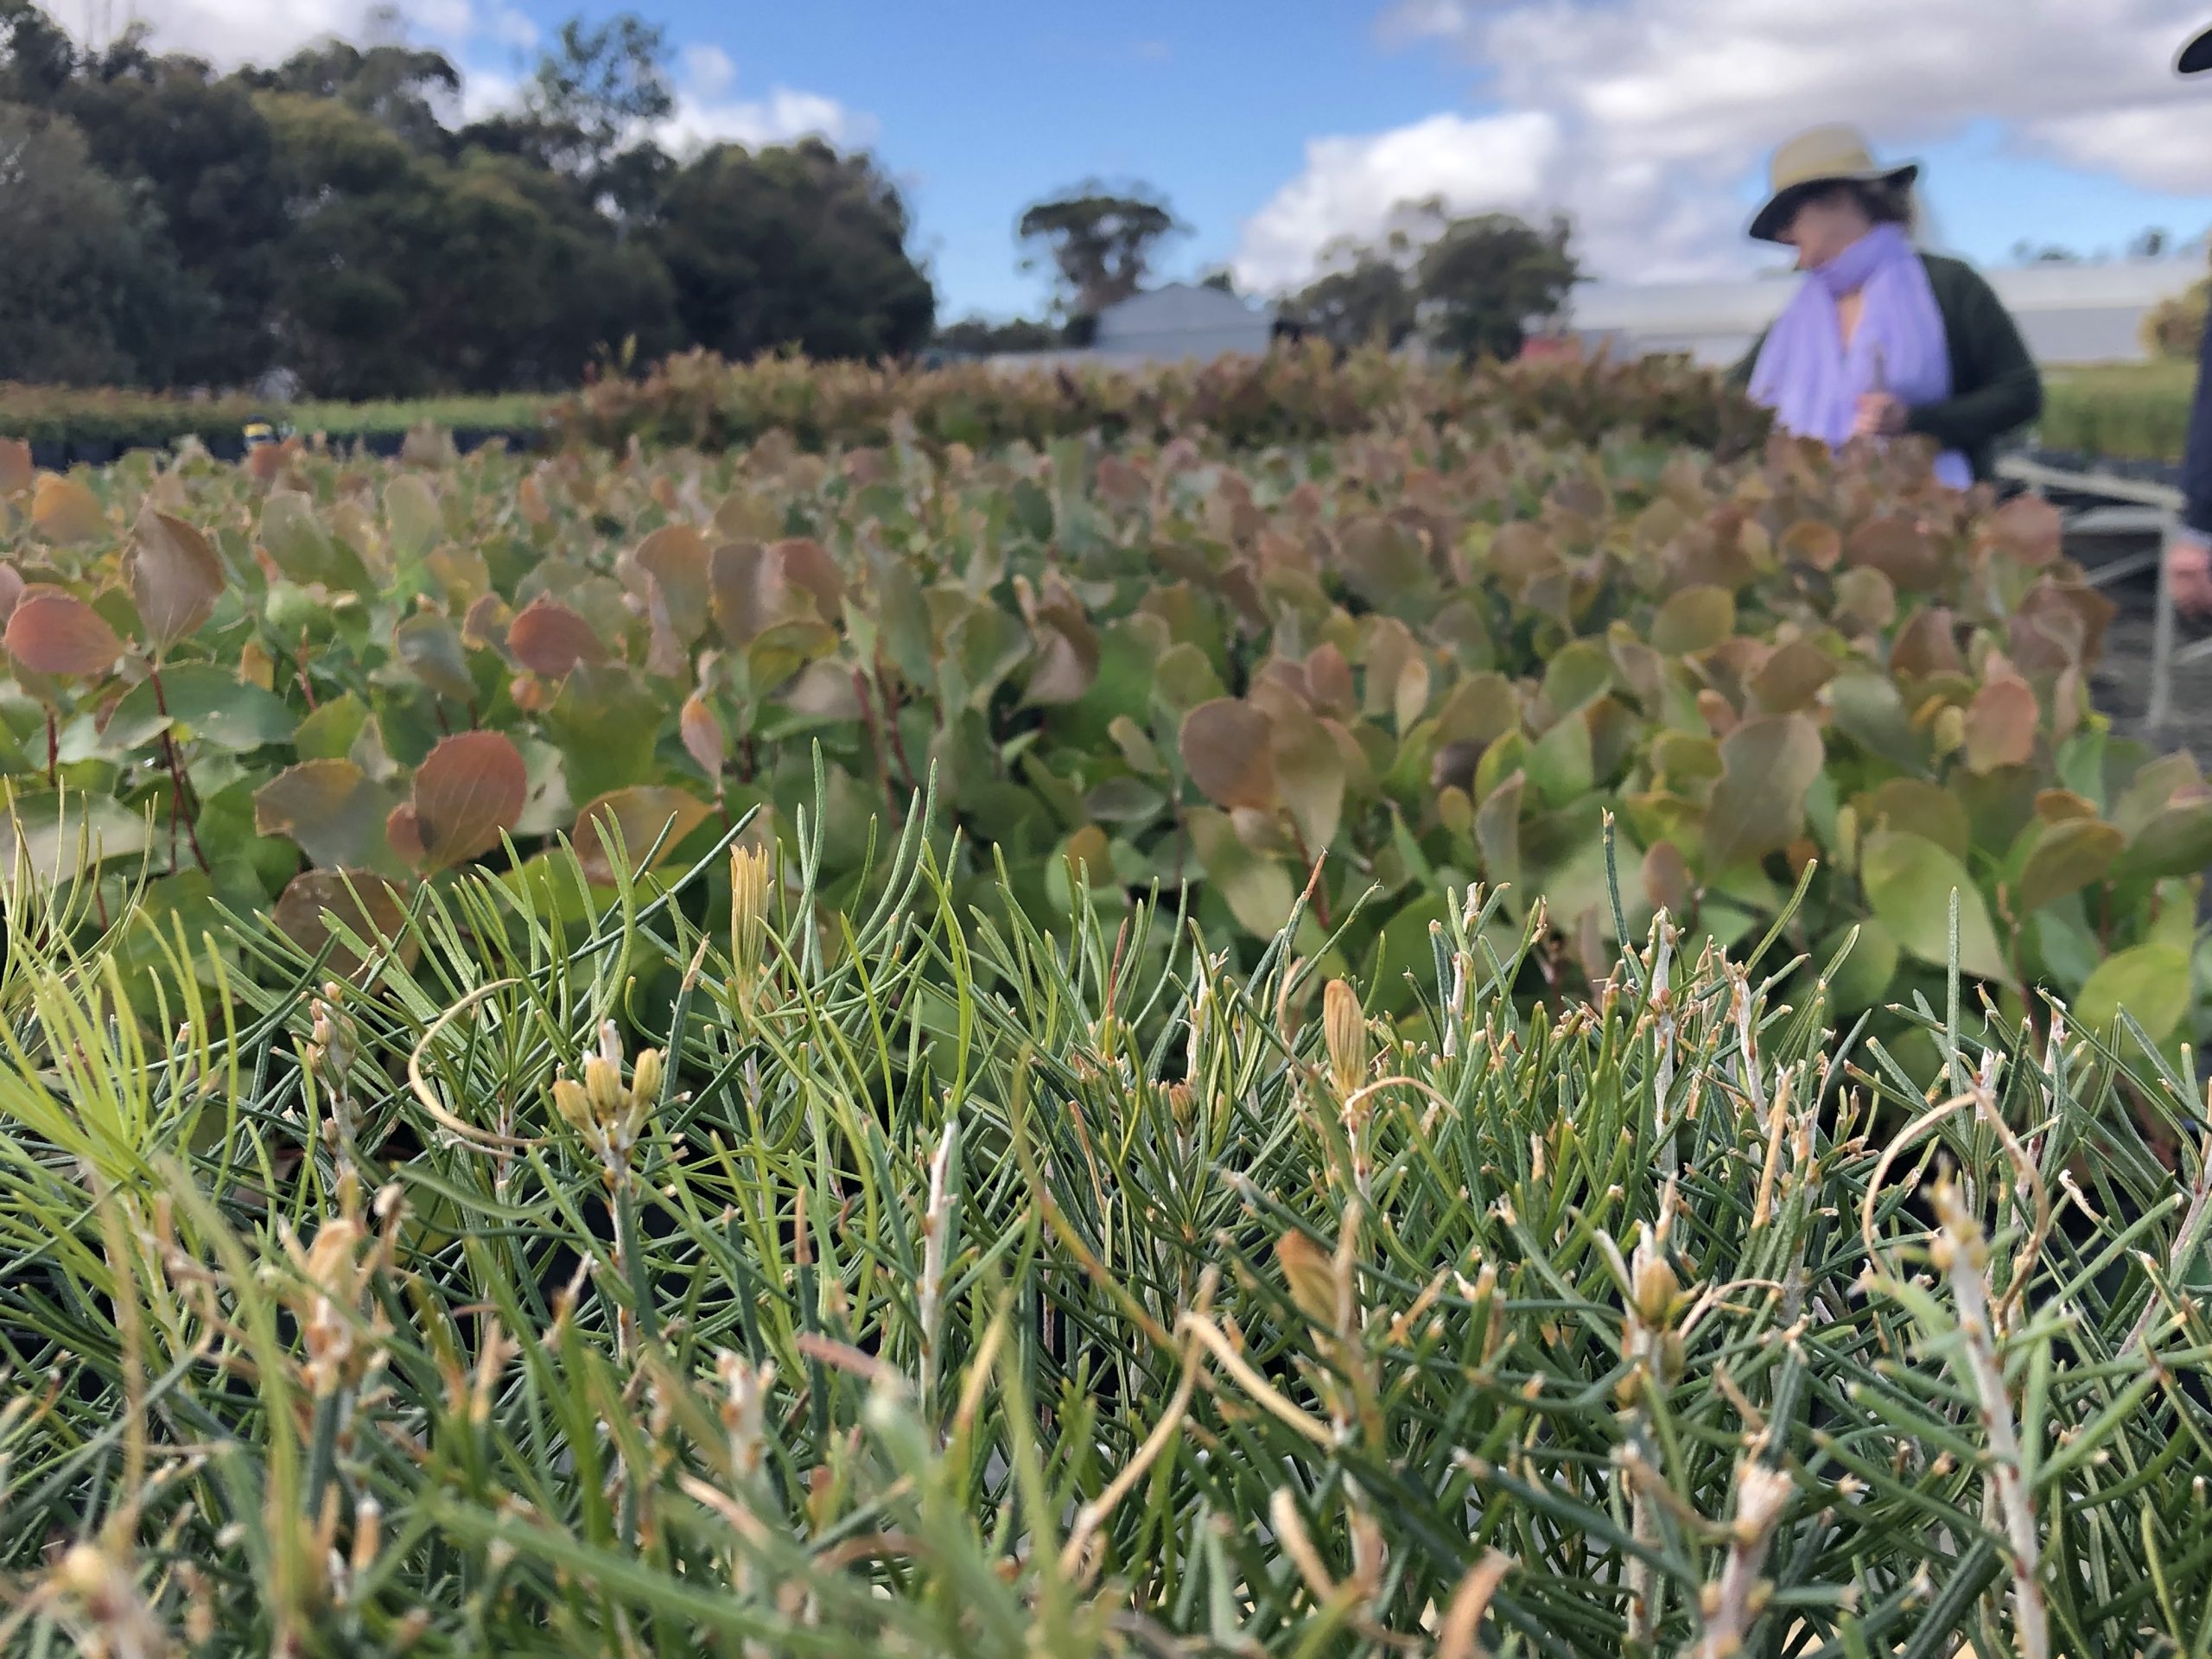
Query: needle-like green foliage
[[778, 1282]]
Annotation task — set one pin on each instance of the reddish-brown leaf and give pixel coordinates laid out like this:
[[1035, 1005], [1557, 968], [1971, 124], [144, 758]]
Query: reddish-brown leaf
[[2001, 724], [468, 790], [366, 904], [1328, 679], [809, 568], [1810, 542], [703, 738], [51, 632], [1898, 548], [1667, 879], [173, 576], [64, 510], [2027, 529], [1228, 750], [675, 556], [1927, 644], [749, 591], [639, 816], [549, 639]]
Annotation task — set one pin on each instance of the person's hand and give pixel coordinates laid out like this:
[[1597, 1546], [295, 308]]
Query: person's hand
[[1880, 415], [2189, 572]]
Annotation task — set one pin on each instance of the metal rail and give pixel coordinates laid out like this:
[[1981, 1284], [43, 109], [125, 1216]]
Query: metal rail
[[2148, 509]]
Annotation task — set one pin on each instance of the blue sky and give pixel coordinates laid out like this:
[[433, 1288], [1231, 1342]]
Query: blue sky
[[1272, 128]]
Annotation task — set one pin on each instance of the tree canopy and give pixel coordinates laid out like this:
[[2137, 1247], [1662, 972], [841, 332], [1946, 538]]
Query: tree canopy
[[1470, 286], [1099, 240], [171, 225]]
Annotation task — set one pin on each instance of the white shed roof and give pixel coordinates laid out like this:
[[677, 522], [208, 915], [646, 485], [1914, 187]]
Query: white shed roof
[[2088, 313]]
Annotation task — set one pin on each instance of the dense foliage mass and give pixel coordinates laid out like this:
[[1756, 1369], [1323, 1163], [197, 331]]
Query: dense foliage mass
[[1309, 394], [167, 223], [1435, 651], [2127, 412], [694, 1279]]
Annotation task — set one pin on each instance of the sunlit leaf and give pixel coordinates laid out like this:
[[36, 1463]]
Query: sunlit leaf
[[466, 791], [174, 578], [1909, 881], [636, 819]]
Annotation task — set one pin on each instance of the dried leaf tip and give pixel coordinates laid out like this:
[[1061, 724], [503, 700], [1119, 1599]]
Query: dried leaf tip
[[749, 869], [1344, 1031]]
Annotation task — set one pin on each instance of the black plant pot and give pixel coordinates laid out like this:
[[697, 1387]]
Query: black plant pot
[[92, 452], [49, 454]]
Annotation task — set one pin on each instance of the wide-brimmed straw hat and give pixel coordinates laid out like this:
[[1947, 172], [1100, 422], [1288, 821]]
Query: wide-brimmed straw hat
[[2196, 57], [1813, 161]]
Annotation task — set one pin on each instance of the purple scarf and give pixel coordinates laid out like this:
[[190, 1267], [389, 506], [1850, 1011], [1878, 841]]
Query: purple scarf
[[1813, 382]]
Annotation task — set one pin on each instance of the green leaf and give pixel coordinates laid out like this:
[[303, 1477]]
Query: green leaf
[[1579, 673], [1923, 807], [427, 643], [1867, 707], [330, 809], [412, 519], [1767, 765], [297, 541], [1259, 891], [61, 834], [1908, 881], [1863, 978], [605, 723], [1560, 764], [1385, 565], [2175, 841], [331, 731], [1694, 620], [2151, 982], [1124, 800], [1310, 776], [204, 701], [2064, 857]]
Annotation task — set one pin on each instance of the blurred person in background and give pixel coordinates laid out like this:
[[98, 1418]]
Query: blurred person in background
[[2189, 554], [1882, 338]]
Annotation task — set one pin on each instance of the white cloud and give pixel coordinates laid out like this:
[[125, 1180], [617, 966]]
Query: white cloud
[[513, 28], [709, 69], [707, 112], [482, 36], [1350, 185], [1659, 111], [225, 32]]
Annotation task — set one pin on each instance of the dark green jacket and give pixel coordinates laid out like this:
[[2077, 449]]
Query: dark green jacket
[[1995, 385]]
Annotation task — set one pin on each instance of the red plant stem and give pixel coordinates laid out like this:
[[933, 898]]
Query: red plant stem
[[177, 787], [891, 720], [301, 657], [875, 734], [1313, 888]]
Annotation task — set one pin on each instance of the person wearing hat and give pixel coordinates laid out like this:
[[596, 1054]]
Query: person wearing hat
[[2188, 553], [1882, 339]]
